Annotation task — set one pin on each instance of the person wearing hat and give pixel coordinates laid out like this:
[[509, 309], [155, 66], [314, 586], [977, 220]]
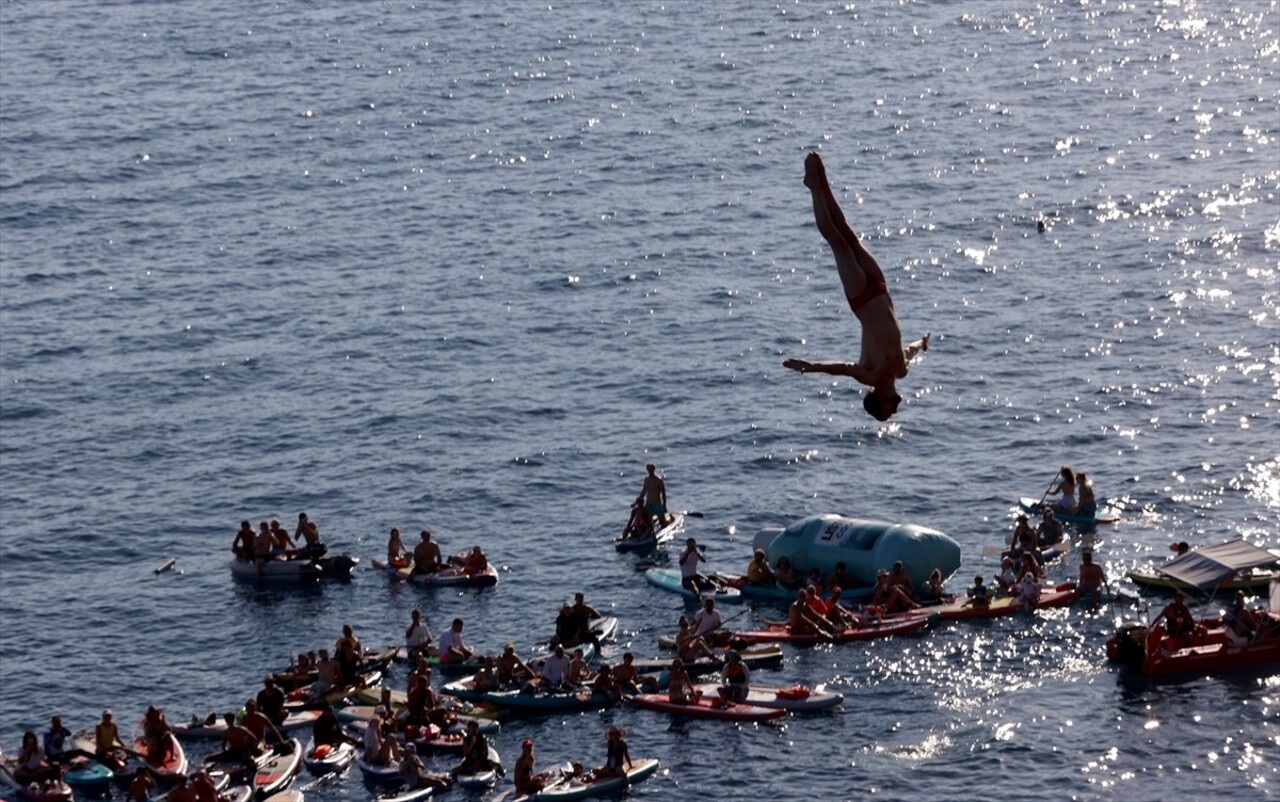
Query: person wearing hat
[[527, 782], [271, 700], [883, 359], [758, 571], [107, 743], [617, 756]]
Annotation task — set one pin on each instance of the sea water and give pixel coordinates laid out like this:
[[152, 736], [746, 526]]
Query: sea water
[[468, 266]]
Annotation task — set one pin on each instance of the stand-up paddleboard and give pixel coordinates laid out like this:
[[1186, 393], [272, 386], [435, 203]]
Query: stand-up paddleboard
[[664, 535], [670, 579], [328, 758], [796, 699], [578, 788], [706, 707]]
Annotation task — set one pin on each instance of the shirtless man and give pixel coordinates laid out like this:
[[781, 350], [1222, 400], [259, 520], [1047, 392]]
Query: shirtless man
[[883, 360], [242, 546], [511, 668], [257, 722], [426, 556], [239, 745], [1092, 578], [654, 495]]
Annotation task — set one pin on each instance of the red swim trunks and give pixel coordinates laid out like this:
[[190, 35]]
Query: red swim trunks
[[873, 288]]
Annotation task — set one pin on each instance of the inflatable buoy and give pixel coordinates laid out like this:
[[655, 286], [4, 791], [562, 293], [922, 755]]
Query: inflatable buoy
[[864, 546]]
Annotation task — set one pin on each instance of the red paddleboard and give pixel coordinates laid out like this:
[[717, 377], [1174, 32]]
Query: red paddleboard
[[706, 707]]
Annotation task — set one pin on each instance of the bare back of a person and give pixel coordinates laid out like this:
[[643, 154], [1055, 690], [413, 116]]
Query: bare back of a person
[[653, 489]]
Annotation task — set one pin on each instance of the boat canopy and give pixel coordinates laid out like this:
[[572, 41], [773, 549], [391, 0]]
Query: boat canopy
[[1208, 566]]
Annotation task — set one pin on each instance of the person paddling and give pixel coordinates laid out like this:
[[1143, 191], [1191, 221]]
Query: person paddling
[[883, 360]]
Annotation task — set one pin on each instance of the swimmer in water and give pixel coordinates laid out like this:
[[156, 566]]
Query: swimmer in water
[[883, 360]]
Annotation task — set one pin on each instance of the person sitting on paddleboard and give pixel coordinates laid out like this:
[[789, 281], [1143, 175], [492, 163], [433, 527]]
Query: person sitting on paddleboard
[[1067, 487], [203, 786], [32, 766], [899, 578], [841, 617], [1088, 504], [107, 741], [414, 774], [627, 678], [785, 575], [654, 495], [758, 571], [883, 360], [554, 669], [679, 687], [578, 673], [1008, 576], [980, 594], [238, 745], [737, 678], [890, 597], [327, 730], [689, 647], [583, 615], [475, 753], [838, 578], [1050, 532], [380, 748], [1028, 590], [690, 578], [511, 669], [417, 638], [397, 555], [801, 620], [640, 524], [348, 653], [707, 624], [271, 701], [426, 556], [527, 782], [256, 722], [617, 757], [452, 649]]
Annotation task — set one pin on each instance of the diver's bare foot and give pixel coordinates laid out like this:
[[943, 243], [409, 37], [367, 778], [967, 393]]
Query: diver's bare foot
[[815, 174], [924, 341]]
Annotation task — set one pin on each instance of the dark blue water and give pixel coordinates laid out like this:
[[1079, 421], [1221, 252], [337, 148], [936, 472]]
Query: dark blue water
[[469, 266]]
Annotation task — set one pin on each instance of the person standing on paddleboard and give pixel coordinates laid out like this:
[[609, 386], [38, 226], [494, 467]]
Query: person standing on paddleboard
[[883, 360], [654, 495]]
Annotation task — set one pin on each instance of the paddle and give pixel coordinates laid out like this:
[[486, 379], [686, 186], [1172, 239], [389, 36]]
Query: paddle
[[693, 514], [1045, 494]]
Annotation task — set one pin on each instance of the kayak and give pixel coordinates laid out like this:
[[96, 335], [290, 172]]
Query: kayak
[[451, 576], [327, 758], [796, 699], [575, 788], [552, 701], [1030, 505], [873, 629], [670, 579], [664, 535], [706, 707]]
